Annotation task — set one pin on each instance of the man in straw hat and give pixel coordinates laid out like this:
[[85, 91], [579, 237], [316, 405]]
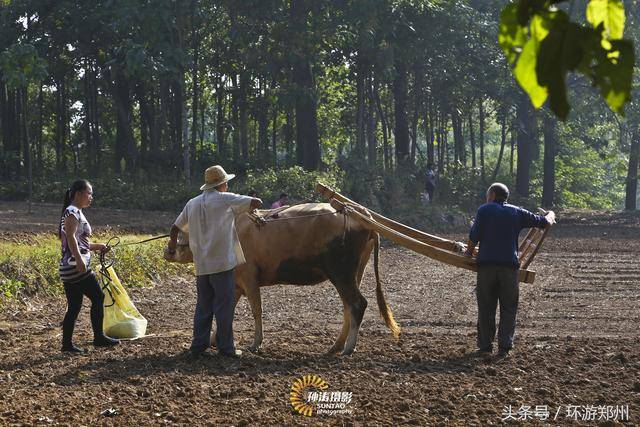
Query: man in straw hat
[[210, 221]]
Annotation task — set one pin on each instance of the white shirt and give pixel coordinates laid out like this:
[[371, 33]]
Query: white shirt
[[210, 221]]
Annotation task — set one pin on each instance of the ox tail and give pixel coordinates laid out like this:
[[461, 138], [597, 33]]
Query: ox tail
[[385, 310]]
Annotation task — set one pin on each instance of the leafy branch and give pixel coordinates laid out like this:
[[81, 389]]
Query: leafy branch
[[542, 45]]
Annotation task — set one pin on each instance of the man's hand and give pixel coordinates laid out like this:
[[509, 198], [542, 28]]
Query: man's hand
[[171, 246], [550, 217], [470, 248], [255, 204], [460, 247]]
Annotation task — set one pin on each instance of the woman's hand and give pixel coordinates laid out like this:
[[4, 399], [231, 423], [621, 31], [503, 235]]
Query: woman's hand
[[101, 247], [80, 265]]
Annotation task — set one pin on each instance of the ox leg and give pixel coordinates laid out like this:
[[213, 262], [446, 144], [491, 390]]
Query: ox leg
[[364, 260], [255, 301], [357, 305], [339, 344], [238, 295]]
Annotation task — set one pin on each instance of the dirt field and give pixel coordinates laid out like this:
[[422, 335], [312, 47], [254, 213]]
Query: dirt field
[[577, 346]]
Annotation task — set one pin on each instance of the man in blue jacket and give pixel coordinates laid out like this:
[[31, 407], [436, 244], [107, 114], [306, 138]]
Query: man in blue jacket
[[496, 226]]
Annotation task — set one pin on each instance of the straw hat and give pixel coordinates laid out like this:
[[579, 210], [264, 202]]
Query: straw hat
[[214, 176]]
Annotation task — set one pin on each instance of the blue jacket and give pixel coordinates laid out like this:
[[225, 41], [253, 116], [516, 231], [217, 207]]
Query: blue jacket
[[497, 226]]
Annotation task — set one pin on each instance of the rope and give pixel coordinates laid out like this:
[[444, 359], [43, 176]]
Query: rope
[[105, 263], [104, 274], [141, 241], [267, 219]]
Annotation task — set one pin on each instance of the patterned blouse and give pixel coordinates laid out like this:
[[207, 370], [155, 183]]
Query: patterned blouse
[[67, 268]]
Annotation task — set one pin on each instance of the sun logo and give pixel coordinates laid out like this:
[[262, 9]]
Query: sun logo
[[300, 388]]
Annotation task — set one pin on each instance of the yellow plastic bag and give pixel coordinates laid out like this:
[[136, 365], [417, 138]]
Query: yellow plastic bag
[[121, 318]]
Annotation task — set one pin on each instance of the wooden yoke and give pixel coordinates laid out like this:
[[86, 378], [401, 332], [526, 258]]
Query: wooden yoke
[[530, 245], [446, 255], [418, 235]]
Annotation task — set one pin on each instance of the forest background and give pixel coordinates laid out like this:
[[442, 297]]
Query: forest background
[[140, 97]]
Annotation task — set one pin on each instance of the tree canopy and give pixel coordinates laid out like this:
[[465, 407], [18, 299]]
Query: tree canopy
[[151, 91]]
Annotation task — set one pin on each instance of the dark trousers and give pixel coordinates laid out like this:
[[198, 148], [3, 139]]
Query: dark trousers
[[430, 191], [497, 284], [90, 288], [216, 297]]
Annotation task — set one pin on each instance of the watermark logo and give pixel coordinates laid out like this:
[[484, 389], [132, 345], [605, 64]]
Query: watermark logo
[[568, 412], [309, 395]]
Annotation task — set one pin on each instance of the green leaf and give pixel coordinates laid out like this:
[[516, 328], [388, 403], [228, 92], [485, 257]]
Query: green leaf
[[527, 9], [525, 69], [610, 13], [551, 69], [613, 73], [511, 36]]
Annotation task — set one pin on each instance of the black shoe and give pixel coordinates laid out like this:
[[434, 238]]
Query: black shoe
[[192, 356], [70, 348], [105, 341], [236, 354], [503, 353], [482, 352]]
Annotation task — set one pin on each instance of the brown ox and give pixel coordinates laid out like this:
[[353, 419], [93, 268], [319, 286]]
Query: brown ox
[[306, 245]]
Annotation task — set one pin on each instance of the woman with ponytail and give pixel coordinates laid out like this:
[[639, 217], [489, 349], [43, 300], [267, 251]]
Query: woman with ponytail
[[75, 272]]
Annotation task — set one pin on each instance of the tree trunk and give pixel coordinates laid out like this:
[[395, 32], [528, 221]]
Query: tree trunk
[[24, 133], [125, 143], [372, 142], [458, 140], [481, 136], [60, 132], [631, 188], [3, 125], [244, 116], [400, 114], [263, 127], [550, 149], [514, 133], [306, 97], [184, 128], [165, 119], [10, 131], [149, 147], [472, 139], [503, 142], [360, 106], [220, 121], [39, 161], [440, 132], [526, 130], [288, 136], [274, 134], [194, 78], [429, 121], [88, 117], [445, 145], [235, 118], [383, 121], [417, 107]]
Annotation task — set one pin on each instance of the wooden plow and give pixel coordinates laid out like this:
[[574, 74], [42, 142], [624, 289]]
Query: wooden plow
[[443, 250]]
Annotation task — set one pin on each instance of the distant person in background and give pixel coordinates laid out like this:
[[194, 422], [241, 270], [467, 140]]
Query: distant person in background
[[282, 201], [74, 268], [430, 183], [253, 193]]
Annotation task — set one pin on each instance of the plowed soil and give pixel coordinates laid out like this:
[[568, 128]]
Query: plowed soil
[[577, 348]]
